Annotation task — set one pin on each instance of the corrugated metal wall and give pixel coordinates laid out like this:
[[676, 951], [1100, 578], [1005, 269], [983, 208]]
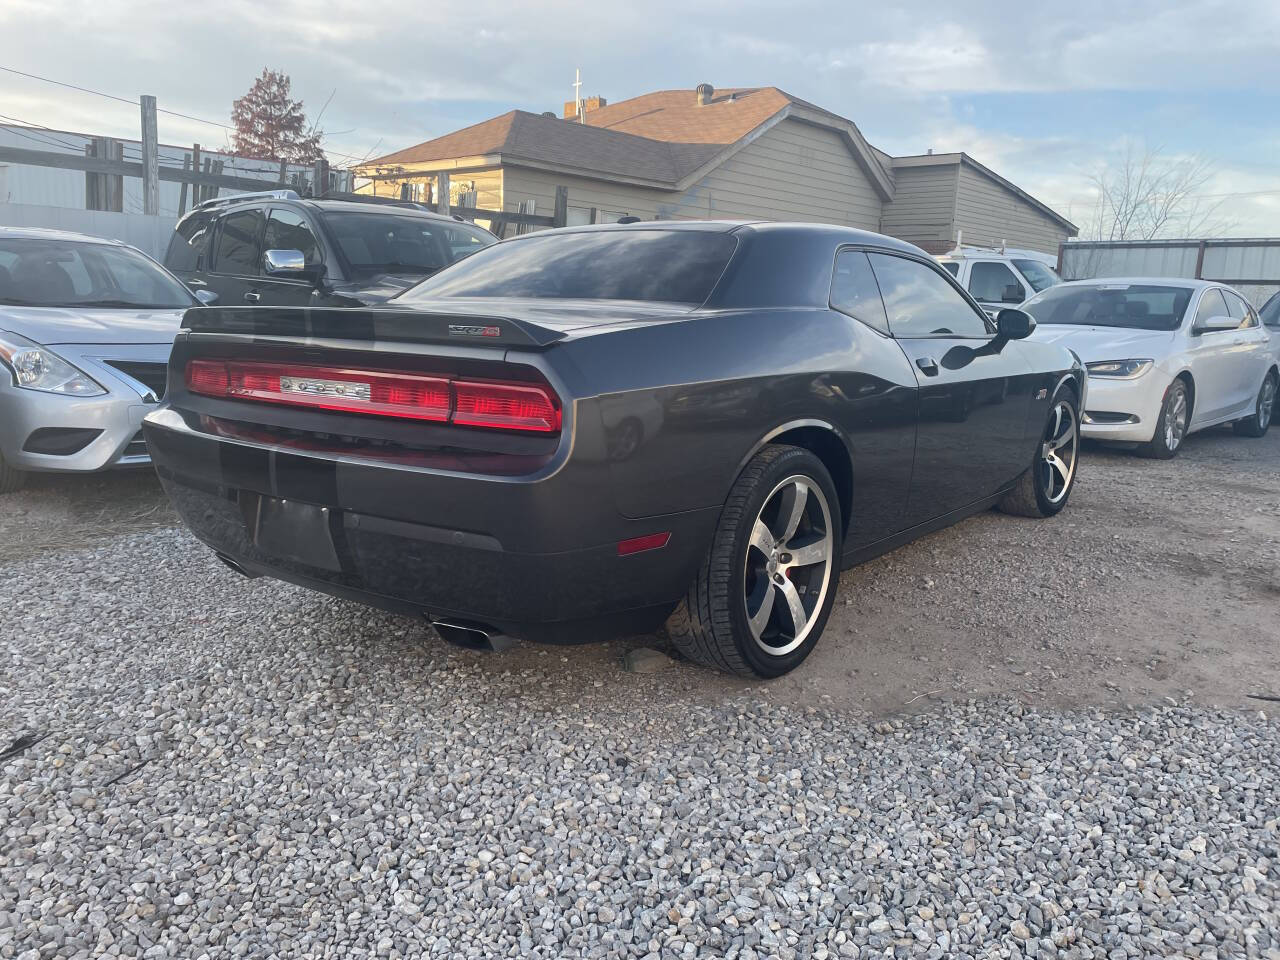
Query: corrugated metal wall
[[149, 234], [1251, 266]]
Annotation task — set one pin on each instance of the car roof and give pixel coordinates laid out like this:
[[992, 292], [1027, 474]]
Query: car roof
[[392, 208], [850, 235], [42, 233], [1185, 282]]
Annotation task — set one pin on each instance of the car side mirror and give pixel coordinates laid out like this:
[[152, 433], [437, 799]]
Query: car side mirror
[[291, 265], [1012, 294], [1014, 324], [207, 298], [1215, 325]]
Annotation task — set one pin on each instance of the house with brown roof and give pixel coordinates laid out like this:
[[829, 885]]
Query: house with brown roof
[[738, 154]]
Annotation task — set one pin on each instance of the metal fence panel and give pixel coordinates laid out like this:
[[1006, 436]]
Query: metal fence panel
[[1252, 266], [148, 234]]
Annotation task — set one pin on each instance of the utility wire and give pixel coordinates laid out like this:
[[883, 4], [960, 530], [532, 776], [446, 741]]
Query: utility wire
[[172, 113]]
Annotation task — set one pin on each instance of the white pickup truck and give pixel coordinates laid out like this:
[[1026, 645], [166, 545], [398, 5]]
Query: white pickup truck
[[1000, 277]]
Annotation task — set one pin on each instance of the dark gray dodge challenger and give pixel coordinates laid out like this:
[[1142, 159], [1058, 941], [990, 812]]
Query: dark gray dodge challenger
[[591, 432]]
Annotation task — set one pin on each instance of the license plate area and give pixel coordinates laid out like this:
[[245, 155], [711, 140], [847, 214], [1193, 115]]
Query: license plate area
[[291, 530]]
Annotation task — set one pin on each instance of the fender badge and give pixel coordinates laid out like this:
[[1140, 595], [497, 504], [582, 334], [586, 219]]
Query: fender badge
[[466, 330], [1042, 394]]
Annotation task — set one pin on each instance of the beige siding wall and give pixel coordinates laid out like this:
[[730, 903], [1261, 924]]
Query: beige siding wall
[[522, 184], [989, 214], [793, 171], [923, 207]]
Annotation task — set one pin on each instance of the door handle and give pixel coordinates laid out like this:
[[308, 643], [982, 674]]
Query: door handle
[[253, 296], [928, 366]]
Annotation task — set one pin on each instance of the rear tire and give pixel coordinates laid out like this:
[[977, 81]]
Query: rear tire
[[762, 596], [1043, 490], [1171, 425], [1263, 409], [11, 480]]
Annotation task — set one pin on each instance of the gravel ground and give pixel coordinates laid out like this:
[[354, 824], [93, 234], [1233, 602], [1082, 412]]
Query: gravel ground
[[1007, 746]]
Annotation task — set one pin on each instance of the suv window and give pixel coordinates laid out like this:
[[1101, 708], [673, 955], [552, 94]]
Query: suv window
[[854, 290], [287, 230], [952, 268], [239, 243], [189, 243], [994, 282], [1038, 275], [921, 303], [373, 243]]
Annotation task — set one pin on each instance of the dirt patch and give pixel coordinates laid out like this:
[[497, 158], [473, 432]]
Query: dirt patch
[[67, 511]]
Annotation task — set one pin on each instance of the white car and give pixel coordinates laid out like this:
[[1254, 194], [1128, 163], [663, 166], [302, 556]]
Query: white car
[[1165, 357], [86, 326], [1002, 277]]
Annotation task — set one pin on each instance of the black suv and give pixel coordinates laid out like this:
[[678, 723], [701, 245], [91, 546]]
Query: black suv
[[276, 249]]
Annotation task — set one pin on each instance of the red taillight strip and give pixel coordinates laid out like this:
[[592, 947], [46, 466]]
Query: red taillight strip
[[507, 406], [474, 403]]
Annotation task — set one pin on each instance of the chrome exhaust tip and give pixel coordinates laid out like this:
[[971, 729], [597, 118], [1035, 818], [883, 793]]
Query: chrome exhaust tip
[[472, 636]]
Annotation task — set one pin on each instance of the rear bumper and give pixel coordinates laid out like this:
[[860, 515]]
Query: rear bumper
[[536, 557]]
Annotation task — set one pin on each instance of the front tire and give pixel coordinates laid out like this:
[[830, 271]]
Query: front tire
[[1047, 484], [11, 480], [1171, 425], [762, 597], [1258, 424]]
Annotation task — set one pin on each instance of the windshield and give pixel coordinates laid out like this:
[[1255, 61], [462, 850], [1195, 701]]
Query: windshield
[[1038, 275], [65, 273], [677, 266], [388, 243], [1139, 306]]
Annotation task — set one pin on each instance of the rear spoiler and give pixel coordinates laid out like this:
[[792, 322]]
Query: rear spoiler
[[381, 324]]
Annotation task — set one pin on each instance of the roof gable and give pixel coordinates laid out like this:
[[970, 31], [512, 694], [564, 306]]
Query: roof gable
[[663, 139], [948, 159]]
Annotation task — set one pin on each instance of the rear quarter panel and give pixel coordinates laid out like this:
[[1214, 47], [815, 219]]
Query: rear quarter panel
[[703, 394]]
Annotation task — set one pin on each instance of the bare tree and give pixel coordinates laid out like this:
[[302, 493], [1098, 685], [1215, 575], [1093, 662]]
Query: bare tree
[[1148, 195]]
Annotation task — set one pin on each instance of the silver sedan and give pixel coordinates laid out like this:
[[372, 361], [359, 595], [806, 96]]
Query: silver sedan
[[86, 326]]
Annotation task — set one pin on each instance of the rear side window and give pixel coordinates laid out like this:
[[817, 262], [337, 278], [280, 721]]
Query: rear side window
[[921, 303], [678, 266], [854, 290], [1240, 310], [239, 243], [190, 242], [993, 282], [952, 268]]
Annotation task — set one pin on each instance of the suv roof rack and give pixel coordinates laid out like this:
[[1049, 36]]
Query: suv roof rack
[[260, 195]]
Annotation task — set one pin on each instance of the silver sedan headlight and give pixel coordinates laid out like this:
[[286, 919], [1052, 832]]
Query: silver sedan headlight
[[1119, 369], [34, 367]]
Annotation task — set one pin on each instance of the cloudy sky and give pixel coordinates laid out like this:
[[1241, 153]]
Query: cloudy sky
[[1043, 93]]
